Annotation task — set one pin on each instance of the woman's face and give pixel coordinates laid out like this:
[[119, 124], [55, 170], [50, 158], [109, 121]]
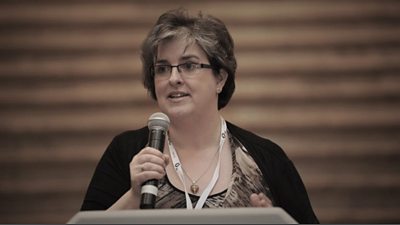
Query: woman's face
[[181, 94]]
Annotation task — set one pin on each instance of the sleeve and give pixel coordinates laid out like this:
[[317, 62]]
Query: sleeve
[[293, 195], [111, 178], [286, 186]]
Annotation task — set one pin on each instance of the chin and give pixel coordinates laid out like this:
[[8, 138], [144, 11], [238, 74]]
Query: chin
[[177, 111]]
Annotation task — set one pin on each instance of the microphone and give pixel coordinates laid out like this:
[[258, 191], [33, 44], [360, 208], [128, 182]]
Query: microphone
[[158, 125]]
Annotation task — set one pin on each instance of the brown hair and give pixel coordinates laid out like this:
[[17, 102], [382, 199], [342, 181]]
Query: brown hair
[[207, 31]]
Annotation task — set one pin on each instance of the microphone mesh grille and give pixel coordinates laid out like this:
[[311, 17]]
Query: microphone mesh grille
[[158, 120]]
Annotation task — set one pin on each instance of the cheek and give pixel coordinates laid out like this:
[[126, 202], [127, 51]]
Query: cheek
[[157, 87]]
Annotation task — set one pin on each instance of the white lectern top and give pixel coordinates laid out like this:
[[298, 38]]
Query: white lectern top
[[273, 215]]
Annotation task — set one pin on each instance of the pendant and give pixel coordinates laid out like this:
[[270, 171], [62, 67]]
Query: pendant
[[194, 188]]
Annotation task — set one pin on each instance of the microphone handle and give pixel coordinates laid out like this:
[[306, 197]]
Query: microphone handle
[[148, 200], [150, 187]]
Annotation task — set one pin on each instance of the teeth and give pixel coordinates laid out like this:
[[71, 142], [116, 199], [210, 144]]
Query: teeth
[[177, 95]]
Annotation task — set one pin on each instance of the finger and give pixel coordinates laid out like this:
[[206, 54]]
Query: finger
[[149, 158], [149, 171], [149, 174], [166, 159], [263, 203], [144, 172], [260, 200], [153, 151], [140, 178], [149, 166], [254, 200], [264, 200], [149, 155]]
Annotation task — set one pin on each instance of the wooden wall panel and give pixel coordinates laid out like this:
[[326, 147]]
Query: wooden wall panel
[[320, 78]]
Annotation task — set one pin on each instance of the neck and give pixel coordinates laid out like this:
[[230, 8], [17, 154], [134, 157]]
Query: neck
[[196, 133]]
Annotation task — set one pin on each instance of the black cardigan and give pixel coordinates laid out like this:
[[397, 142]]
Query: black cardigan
[[112, 178]]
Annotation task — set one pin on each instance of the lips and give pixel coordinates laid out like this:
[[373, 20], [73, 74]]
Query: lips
[[177, 94]]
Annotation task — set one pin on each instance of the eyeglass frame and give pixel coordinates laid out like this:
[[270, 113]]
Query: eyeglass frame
[[178, 67]]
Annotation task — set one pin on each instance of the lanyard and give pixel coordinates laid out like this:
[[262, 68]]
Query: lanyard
[[178, 168]]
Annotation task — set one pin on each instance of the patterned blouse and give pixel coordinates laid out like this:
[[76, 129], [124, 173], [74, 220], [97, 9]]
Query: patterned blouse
[[246, 179]]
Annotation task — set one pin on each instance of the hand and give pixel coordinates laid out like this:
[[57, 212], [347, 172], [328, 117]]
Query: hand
[[148, 164], [260, 200]]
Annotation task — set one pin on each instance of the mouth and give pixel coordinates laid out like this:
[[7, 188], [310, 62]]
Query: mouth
[[177, 95]]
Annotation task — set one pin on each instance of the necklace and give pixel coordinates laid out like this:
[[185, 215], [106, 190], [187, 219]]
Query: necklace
[[194, 187], [178, 168]]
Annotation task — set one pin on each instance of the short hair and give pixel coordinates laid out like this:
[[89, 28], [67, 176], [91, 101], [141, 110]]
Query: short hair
[[207, 31]]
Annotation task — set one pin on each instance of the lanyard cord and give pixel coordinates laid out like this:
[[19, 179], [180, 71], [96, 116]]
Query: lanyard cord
[[179, 170]]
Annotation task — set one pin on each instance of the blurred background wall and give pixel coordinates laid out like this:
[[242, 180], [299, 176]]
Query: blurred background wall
[[321, 78]]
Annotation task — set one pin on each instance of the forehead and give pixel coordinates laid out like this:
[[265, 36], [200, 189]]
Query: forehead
[[179, 49]]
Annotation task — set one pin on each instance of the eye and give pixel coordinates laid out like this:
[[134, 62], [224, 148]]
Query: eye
[[189, 66], [161, 69]]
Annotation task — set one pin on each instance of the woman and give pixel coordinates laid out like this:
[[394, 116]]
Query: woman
[[189, 69]]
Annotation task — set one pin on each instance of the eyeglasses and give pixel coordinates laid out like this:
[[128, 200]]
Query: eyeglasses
[[187, 69]]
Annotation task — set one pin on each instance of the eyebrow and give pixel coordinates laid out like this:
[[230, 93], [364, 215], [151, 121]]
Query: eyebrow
[[162, 61], [185, 57]]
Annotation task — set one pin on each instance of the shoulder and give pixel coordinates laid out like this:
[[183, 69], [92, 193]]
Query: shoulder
[[128, 143], [132, 136], [257, 146]]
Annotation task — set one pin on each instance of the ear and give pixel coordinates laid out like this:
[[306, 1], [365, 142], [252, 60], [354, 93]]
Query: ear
[[221, 79]]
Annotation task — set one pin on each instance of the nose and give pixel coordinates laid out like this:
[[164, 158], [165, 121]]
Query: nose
[[176, 77]]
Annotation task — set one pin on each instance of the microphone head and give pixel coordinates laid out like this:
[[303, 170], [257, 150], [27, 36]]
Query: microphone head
[[158, 121]]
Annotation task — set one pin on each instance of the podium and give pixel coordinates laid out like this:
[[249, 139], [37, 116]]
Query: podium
[[274, 215]]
